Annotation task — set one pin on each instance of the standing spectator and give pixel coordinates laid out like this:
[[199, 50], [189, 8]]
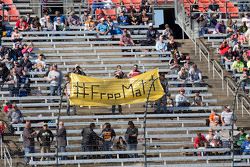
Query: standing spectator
[[102, 28], [119, 74], [67, 93], [181, 100], [131, 138], [227, 117], [214, 119], [2, 129], [108, 135], [73, 19], [134, 72], [161, 45], [62, 138], [90, 140], [22, 25], [55, 80], [15, 116], [45, 137], [29, 135], [202, 22], [245, 147], [13, 83], [167, 32]]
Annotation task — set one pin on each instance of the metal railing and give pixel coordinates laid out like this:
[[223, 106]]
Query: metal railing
[[5, 155]]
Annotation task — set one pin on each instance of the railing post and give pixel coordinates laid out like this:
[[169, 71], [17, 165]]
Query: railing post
[[1, 148], [213, 69], [242, 108], [222, 79], [208, 61]]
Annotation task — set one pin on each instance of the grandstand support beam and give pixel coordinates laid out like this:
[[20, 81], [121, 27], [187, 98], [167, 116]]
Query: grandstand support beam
[[58, 120], [145, 122], [233, 120]]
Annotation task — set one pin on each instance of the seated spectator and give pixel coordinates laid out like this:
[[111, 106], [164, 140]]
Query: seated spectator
[[195, 74], [237, 65], [214, 119], [121, 144], [26, 63], [243, 28], [214, 7], [18, 68], [22, 25], [172, 45], [213, 139], [175, 66], [182, 75], [167, 32], [78, 70], [223, 49], [102, 28], [187, 65], [58, 25], [39, 64], [89, 24], [161, 46], [126, 39], [101, 15], [24, 84], [194, 9], [152, 35], [181, 100], [28, 19], [134, 72], [35, 25], [227, 117], [110, 24], [133, 19], [84, 16], [27, 48], [202, 22], [62, 18], [73, 19], [144, 20], [16, 36], [220, 28], [245, 147], [13, 83], [200, 141], [229, 26], [46, 23], [122, 19], [244, 80], [197, 100], [7, 107], [241, 137], [229, 56], [15, 116]]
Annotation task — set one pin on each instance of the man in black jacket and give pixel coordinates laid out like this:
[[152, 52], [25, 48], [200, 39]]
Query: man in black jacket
[[45, 137]]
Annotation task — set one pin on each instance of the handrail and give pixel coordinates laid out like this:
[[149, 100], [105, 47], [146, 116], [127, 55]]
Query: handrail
[[7, 157], [218, 69]]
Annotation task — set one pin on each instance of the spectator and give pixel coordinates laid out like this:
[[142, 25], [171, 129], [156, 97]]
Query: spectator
[[227, 117], [67, 93], [202, 22], [214, 119], [122, 19], [84, 16], [214, 7], [27, 48], [133, 19], [108, 135], [7, 107], [22, 25], [241, 137], [29, 19], [220, 28], [58, 25], [197, 100], [167, 32], [29, 135], [18, 68], [4, 72], [40, 64], [62, 18], [195, 12], [134, 72], [102, 28], [119, 74], [62, 138], [73, 19], [152, 35], [90, 140], [223, 49], [162, 102], [200, 141], [131, 138], [243, 28], [25, 62], [46, 23], [2, 129], [183, 75], [89, 24], [144, 18], [237, 65], [121, 145], [45, 137], [15, 116], [161, 46], [78, 70], [35, 25], [16, 36], [172, 45], [181, 100], [245, 147], [13, 83], [213, 140], [55, 80], [195, 74], [126, 39], [174, 66]]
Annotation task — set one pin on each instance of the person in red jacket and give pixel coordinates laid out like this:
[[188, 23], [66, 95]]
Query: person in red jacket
[[22, 25], [200, 141]]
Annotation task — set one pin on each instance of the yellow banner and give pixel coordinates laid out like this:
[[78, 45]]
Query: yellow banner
[[88, 91]]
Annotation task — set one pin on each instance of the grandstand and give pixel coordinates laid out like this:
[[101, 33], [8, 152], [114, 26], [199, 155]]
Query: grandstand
[[170, 132]]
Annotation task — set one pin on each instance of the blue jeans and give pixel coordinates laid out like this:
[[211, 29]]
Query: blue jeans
[[55, 90], [161, 104], [62, 149], [68, 108], [132, 147], [28, 150], [107, 147]]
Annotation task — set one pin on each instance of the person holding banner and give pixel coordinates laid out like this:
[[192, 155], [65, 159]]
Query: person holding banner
[[134, 72], [162, 102], [67, 94], [119, 74]]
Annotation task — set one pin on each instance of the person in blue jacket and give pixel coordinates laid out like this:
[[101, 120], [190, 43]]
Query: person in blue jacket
[[245, 147]]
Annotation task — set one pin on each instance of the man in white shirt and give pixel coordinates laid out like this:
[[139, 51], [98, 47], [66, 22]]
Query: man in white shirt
[[55, 80], [181, 100], [227, 116]]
